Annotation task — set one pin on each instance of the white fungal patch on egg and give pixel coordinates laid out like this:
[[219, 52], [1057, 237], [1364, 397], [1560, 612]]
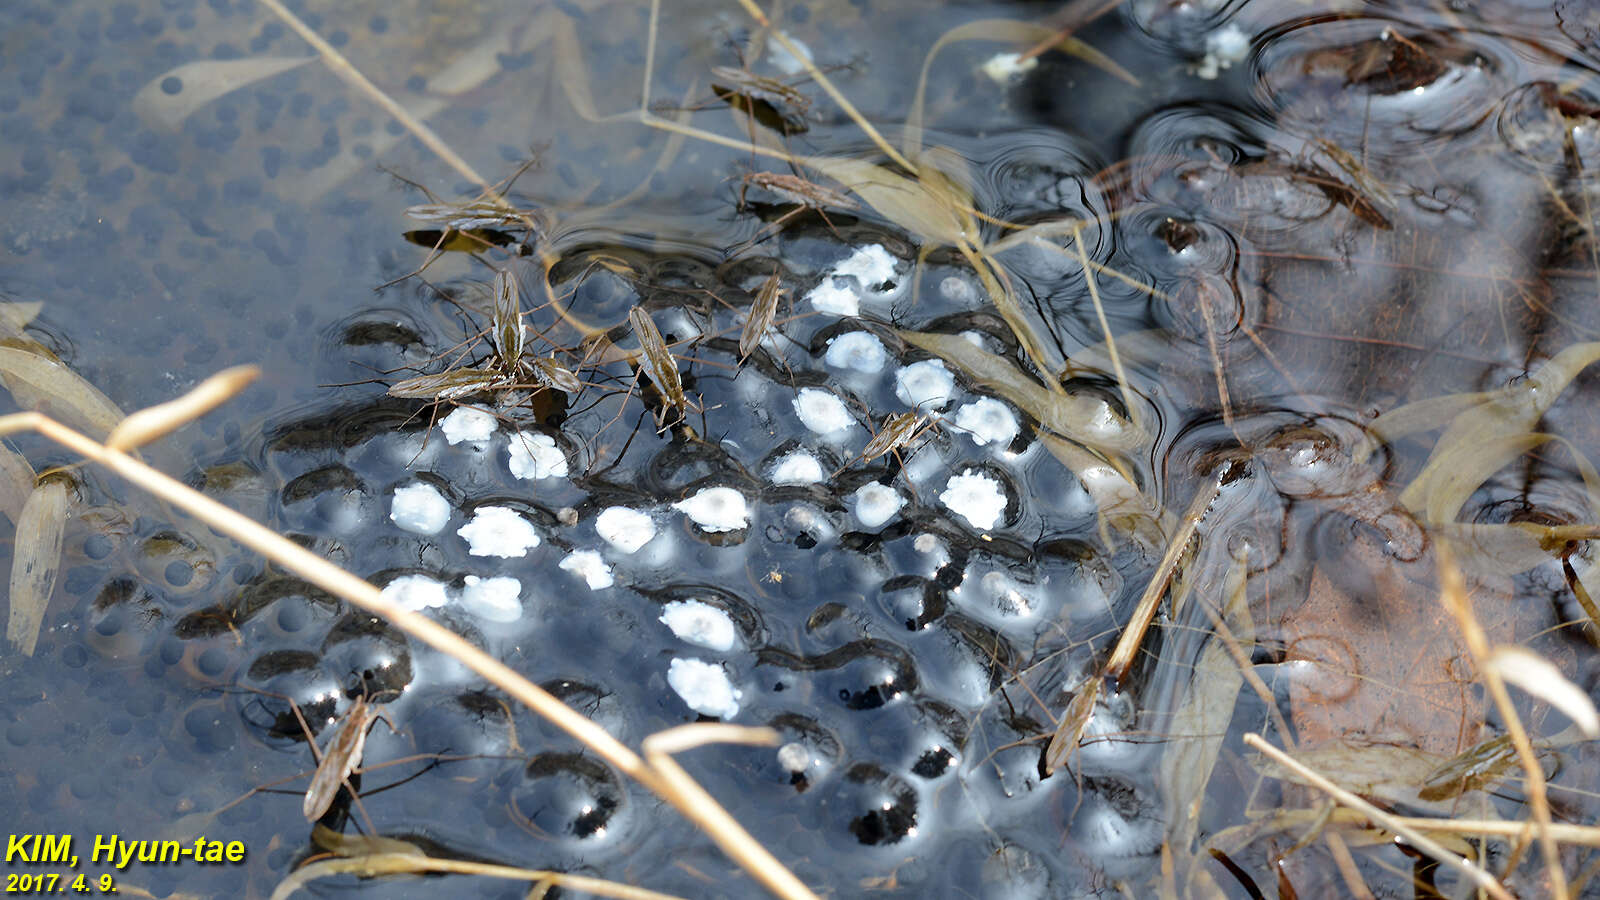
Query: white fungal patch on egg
[[976, 497], [625, 529], [588, 565], [925, 386], [415, 592], [716, 509], [797, 467], [822, 411], [858, 351], [699, 623], [869, 272], [419, 508], [497, 599], [498, 531], [532, 455], [875, 504], [987, 421], [467, 424], [704, 687]]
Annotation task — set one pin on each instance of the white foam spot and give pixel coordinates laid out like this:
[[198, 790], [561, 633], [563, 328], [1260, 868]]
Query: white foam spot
[[415, 592], [822, 411], [467, 424], [535, 455], [419, 508], [797, 467], [496, 599], [876, 504], [976, 497], [704, 687], [837, 299], [925, 386], [588, 565], [498, 531], [857, 350], [987, 421], [699, 623], [1224, 47], [872, 267], [625, 529], [716, 509], [1003, 68]]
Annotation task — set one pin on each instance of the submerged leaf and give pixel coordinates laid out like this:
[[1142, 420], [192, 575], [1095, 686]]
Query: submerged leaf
[[199, 83], [906, 202], [1087, 420], [17, 481], [1118, 502], [51, 387], [38, 558]]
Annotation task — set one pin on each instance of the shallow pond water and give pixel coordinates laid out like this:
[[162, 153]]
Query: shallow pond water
[[1298, 219]]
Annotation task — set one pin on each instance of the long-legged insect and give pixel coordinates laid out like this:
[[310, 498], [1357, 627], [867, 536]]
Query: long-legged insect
[[762, 313], [341, 758]]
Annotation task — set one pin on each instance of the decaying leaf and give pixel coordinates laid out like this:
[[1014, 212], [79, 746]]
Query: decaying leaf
[[38, 559], [51, 387], [1118, 502], [908, 203], [201, 82], [1087, 420], [17, 480], [15, 316]]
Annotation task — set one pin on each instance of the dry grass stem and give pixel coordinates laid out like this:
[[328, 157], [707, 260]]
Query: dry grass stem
[[1453, 594]]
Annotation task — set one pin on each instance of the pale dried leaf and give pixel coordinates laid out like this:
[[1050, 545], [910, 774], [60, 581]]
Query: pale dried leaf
[[1539, 677], [202, 82], [15, 315], [38, 558], [53, 388], [1118, 501], [17, 480], [907, 203]]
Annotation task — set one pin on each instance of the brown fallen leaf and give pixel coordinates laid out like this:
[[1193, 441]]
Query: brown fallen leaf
[[36, 563]]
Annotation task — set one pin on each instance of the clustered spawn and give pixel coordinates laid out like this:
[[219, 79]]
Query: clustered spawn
[[869, 274]]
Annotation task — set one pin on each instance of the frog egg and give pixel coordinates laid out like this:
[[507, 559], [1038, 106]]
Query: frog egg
[[976, 497], [498, 531], [834, 298], [704, 687], [822, 411], [699, 623], [875, 504], [415, 593], [873, 268], [716, 509], [532, 455], [797, 467], [859, 351], [588, 565], [496, 599], [925, 385], [467, 424], [987, 421], [419, 508], [625, 529]]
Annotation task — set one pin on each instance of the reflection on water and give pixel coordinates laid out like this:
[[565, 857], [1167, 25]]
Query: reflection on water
[[1363, 209]]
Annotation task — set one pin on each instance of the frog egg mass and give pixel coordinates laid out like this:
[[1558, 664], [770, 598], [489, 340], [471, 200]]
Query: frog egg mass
[[875, 504], [698, 623], [925, 386], [716, 509], [859, 351], [976, 497], [467, 424], [533, 456], [497, 599], [704, 687], [625, 529], [419, 508], [416, 593], [987, 421], [822, 411], [797, 467], [588, 565], [498, 531]]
